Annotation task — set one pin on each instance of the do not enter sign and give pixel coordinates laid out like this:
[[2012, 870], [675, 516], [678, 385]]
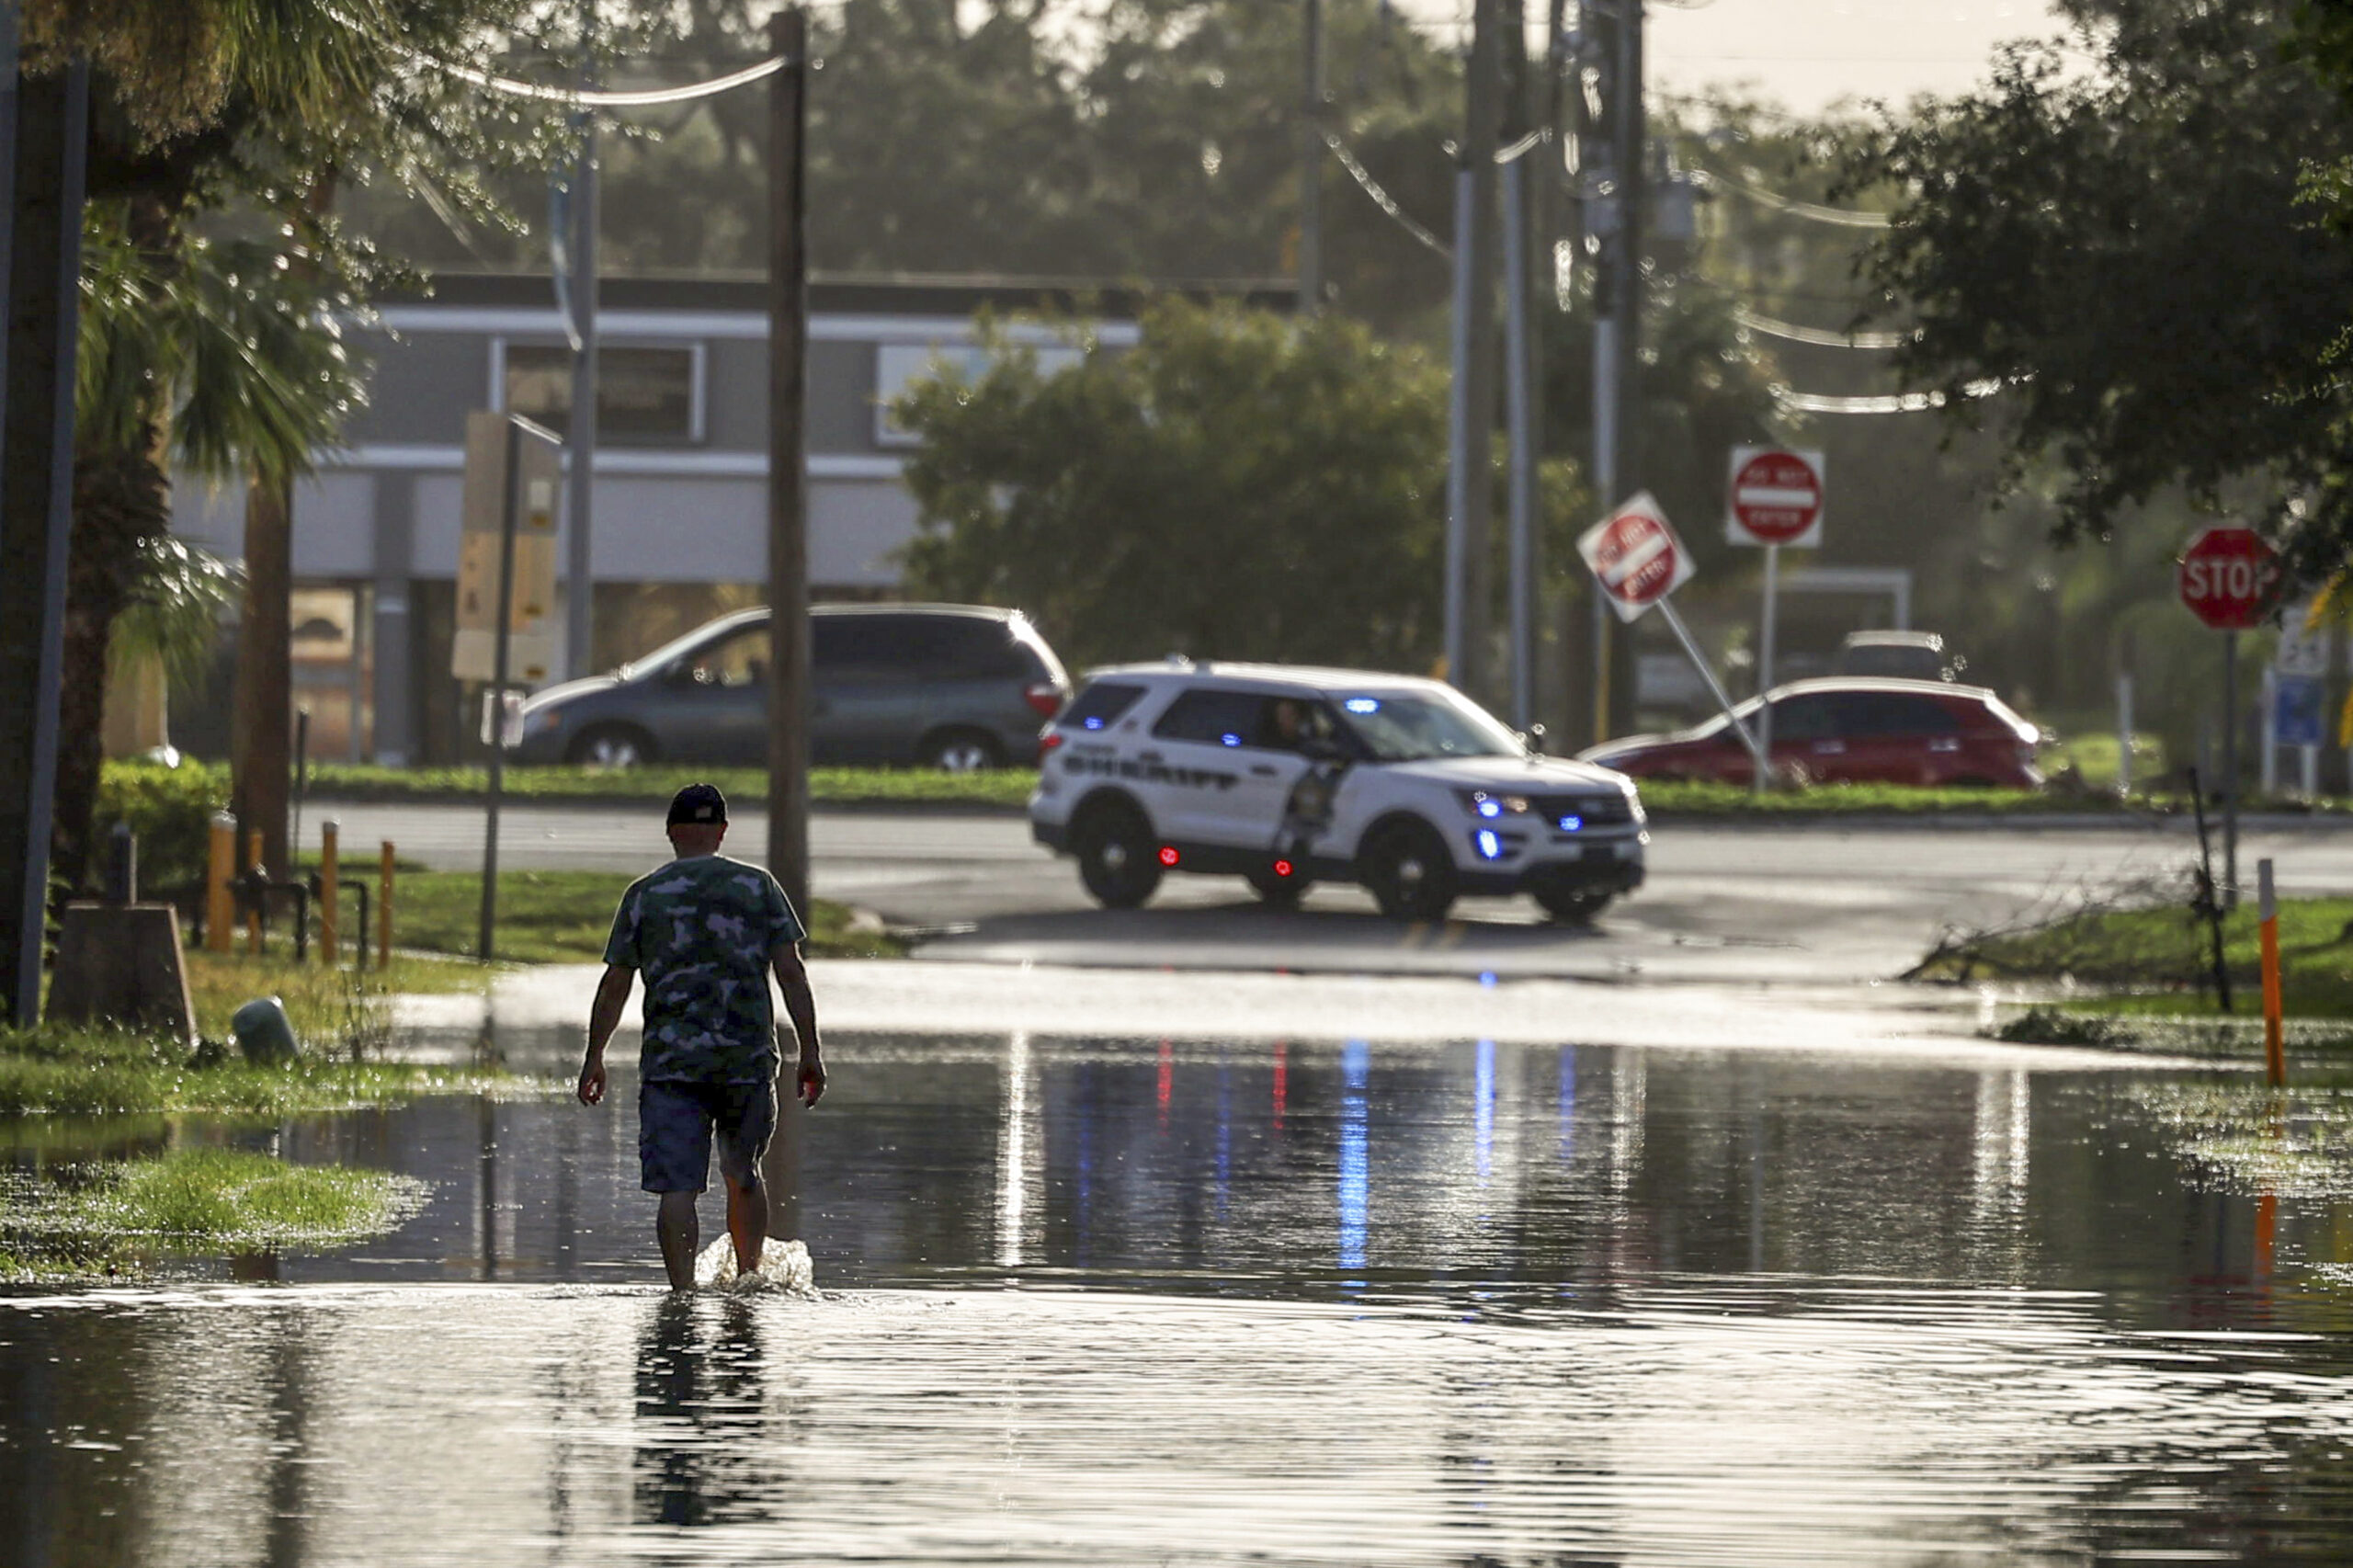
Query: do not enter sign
[[1636, 556], [2228, 578], [1774, 497]]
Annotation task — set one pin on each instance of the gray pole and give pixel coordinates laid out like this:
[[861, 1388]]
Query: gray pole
[[580, 439], [488, 933], [1624, 340], [1458, 436], [1469, 584], [788, 694], [1311, 165], [43, 164], [2230, 769], [1520, 372], [1762, 778]]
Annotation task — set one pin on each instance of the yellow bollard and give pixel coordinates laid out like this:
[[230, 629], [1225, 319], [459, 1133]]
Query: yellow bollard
[[384, 912], [328, 955], [2275, 1029], [253, 917], [220, 908]]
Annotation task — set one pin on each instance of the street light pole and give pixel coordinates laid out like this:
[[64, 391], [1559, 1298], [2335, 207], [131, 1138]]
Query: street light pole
[[1311, 165]]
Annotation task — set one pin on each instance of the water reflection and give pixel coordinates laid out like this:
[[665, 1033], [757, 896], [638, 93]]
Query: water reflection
[[700, 1414], [1343, 1301]]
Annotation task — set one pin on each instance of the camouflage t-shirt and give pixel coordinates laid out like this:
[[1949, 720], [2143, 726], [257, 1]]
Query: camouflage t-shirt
[[699, 931]]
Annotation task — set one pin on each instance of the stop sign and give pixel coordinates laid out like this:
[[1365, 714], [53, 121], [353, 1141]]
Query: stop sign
[[2228, 577], [1774, 497], [1635, 556]]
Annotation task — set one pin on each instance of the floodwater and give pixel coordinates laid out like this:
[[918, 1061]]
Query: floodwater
[[1128, 1301]]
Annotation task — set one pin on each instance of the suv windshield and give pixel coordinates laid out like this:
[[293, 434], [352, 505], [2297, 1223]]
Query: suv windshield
[[1399, 727]]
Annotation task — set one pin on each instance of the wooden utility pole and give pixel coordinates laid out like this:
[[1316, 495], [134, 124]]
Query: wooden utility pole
[[42, 159], [261, 720], [789, 703]]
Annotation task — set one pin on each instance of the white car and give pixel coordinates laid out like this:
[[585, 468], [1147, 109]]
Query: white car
[[1288, 776]]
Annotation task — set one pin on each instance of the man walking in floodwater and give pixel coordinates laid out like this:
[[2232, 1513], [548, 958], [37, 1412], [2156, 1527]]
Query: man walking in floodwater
[[705, 931]]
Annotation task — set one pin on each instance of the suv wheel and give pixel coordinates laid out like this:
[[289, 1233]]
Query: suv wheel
[[1573, 907], [1278, 893], [1118, 859], [1409, 873], [612, 745], [961, 751]]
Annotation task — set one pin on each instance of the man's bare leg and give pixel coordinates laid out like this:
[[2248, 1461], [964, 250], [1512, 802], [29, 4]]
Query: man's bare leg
[[747, 1220], [679, 1232]]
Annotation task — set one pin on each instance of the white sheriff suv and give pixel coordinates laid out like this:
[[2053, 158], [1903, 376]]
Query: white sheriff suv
[[1288, 776]]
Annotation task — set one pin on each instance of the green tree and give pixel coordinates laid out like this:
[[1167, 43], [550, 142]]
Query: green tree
[[1239, 486], [215, 357], [2127, 254], [1152, 139], [239, 116]]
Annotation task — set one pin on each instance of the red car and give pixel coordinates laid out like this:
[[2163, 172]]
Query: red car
[[1852, 730]]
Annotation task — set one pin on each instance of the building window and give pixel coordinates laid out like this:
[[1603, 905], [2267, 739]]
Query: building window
[[898, 364], [645, 396]]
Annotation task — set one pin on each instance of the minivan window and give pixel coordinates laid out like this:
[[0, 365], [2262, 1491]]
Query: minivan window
[[967, 647], [864, 644], [1100, 704], [740, 659], [1212, 718]]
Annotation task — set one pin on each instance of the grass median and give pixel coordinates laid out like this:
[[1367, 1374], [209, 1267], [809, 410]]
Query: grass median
[[1001, 788], [1008, 789], [2142, 978]]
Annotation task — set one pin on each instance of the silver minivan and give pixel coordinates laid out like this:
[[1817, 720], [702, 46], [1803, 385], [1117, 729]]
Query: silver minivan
[[960, 686]]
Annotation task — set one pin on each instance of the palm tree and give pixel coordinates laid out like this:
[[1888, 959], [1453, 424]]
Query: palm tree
[[212, 354]]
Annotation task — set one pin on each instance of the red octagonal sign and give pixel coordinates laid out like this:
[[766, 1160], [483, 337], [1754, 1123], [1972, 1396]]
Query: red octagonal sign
[[1636, 556], [2229, 577], [1775, 496]]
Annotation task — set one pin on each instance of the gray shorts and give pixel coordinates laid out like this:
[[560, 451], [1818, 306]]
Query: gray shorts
[[676, 1120]]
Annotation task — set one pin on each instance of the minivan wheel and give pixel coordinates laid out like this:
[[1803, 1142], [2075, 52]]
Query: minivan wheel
[[1409, 873], [1116, 858], [612, 745], [961, 751]]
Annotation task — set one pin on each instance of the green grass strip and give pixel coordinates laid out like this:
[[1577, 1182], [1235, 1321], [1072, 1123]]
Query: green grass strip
[[47, 1070], [194, 1201], [564, 918]]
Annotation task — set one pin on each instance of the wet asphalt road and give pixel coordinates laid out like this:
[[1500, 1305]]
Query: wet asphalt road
[[1724, 904]]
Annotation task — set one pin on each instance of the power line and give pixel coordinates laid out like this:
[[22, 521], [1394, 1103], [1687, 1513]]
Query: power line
[[1844, 217], [1790, 400], [1381, 198], [1772, 326], [590, 99]]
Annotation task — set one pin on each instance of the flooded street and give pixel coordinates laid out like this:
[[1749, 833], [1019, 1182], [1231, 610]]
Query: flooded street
[[1126, 1299]]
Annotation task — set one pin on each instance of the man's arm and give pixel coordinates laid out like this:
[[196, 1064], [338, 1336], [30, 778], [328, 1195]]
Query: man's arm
[[801, 1006], [604, 1018]]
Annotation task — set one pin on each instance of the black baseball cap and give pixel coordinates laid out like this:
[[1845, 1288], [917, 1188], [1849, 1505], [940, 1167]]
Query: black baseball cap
[[697, 802]]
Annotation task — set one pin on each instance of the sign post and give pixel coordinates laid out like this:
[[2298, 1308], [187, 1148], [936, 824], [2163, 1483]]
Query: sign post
[[505, 595], [2229, 577], [1638, 562], [1772, 498]]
